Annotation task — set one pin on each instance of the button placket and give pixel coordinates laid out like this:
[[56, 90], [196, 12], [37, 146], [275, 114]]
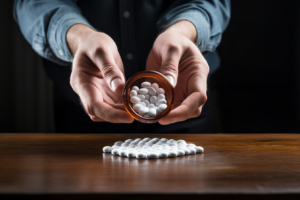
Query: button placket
[[129, 55]]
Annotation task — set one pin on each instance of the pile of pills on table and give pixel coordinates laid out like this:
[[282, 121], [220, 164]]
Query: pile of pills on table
[[149, 100], [152, 148]]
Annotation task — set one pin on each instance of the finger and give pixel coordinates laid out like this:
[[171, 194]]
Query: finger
[[96, 119], [186, 110], [109, 113], [92, 100], [110, 71], [170, 61]]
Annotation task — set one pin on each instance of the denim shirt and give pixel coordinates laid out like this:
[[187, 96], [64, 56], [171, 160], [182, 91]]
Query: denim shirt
[[132, 24]]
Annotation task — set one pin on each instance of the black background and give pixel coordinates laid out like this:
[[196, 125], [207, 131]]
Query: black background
[[256, 88]]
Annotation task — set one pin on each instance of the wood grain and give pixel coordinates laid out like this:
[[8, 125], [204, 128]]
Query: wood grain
[[73, 164]]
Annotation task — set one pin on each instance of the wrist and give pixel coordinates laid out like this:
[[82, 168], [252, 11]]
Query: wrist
[[76, 35], [186, 28]]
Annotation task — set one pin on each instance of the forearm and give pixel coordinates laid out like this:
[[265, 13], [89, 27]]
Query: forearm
[[210, 18], [45, 23]]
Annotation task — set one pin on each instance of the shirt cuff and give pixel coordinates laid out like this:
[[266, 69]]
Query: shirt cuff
[[199, 21], [58, 31]]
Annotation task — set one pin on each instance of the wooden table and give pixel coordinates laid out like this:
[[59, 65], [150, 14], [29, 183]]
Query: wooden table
[[74, 165]]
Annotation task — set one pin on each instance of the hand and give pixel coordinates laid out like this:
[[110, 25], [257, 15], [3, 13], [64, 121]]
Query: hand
[[97, 74], [176, 56]]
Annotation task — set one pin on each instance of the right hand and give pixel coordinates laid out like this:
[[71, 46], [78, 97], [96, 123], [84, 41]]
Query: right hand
[[97, 74]]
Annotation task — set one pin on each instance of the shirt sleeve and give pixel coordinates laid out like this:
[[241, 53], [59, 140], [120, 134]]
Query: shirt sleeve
[[44, 24], [210, 17]]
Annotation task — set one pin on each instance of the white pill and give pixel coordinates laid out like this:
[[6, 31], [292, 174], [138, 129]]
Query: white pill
[[162, 101], [191, 144], [172, 154], [162, 107], [160, 91], [118, 143], [141, 155], [192, 151], [133, 93], [137, 107], [151, 91], [199, 149], [153, 99], [153, 154], [123, 152], [131, 154], [164, 139], [128, 140], [135, 99], [136, 88], [180, 152], [144, 110], [155, 86], [152, 112], [124, 145], [146, 84], [181, 143], [181, 146], [161, 96], [147, 97], [151, 105], [186, 151], [163, 154], [143, 104], [115, 147], [142, 97], [115, 151], [143, 91], [107, 149], [146, 102]]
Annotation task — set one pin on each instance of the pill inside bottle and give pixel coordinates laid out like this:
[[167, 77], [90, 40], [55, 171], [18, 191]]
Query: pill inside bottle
[[148, 96]]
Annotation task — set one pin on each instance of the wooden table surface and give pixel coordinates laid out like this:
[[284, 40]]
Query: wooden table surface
[[73, 164]]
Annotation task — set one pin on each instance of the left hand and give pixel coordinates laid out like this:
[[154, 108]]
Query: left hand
[[179, 59]]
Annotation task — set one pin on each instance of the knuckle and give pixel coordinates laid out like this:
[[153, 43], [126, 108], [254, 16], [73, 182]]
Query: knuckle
[[204, 99], [172, 48], [91, 108], [100, 50], [95, 119], [198, 112], [204, 68], [74, 81], [108, 70], [170, 67]]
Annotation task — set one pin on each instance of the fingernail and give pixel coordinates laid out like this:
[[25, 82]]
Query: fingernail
[[171, 80], [115, 83]]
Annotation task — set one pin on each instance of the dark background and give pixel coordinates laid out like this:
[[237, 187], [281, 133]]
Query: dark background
[[254, 91]]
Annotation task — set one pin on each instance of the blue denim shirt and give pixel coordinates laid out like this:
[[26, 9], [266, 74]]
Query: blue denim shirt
[[132, 24]]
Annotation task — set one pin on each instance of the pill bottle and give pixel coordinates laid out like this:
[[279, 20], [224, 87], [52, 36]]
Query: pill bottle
[[151, 77]]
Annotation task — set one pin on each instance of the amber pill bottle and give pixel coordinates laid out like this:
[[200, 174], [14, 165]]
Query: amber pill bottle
[[152, 77]]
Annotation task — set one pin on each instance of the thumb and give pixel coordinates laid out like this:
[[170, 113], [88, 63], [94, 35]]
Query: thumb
[[169, 65], [110, 71]]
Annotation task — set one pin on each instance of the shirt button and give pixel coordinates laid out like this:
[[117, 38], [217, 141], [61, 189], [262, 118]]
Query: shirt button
[[61, 52], [129, 56], [126, 14]]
